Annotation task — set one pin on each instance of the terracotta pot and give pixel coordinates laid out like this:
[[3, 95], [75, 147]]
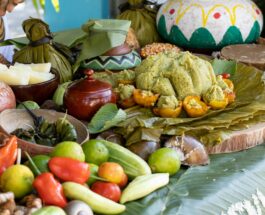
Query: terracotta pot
[[207, 24], [83, 98]]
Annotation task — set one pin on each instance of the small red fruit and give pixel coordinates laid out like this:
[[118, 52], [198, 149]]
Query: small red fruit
[[226, 75], [108, 190], [111, 171]]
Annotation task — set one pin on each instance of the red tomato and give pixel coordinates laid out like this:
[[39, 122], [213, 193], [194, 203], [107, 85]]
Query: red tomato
[[226, 75], [108, 190], [124, 181]]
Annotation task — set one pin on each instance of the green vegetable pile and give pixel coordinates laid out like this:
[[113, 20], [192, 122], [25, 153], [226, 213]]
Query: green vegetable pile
[[47, 133]]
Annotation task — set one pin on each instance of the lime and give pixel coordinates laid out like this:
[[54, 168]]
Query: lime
[[95, 151], [93, 173], [164, 160], [41, 161], [69, 149], [17, 179], [29, 104]]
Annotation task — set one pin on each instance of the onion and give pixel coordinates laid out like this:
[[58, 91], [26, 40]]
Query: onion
[[7, 97]]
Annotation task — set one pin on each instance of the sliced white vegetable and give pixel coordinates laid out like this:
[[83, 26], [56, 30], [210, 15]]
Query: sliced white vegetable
[[41, 67], [38, 77], [37, 67], [3, 67], [13, 77]]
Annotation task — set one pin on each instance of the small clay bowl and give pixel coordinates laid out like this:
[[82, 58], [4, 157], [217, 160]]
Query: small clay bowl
[[12, 119], [36, 92]]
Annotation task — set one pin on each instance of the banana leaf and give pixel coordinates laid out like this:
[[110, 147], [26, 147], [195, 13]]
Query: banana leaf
[[231, 183], [67, 38], [215, 126]]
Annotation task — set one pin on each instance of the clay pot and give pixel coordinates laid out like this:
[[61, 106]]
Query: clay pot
[[83, 98]]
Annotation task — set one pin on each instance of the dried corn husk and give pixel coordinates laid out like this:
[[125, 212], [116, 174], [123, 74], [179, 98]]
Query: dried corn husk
[[143, 22], [41, 49]]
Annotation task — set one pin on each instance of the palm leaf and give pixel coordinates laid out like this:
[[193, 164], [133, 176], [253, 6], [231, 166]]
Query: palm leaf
[[230, 179]]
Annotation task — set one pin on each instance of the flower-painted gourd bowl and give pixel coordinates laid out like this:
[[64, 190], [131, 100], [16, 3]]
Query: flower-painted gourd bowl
[[209, 24]]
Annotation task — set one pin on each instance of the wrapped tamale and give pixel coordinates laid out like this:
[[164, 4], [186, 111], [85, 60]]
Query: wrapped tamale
[[143, 21], [41, 49]]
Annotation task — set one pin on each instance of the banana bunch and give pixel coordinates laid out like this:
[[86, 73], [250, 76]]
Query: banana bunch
[[143, 23]]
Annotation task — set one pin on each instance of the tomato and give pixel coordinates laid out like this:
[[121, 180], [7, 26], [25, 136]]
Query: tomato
[[226, 75], [111, 171], [108, 190], [124, 181]]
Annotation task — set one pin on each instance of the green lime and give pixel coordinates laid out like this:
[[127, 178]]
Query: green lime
[[69, 149], [41, 161], [95, 151], [93, 173], [164, 160], [17, 179], [29, 104]]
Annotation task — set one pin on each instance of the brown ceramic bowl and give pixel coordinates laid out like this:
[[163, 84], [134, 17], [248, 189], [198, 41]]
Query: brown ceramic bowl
[[36, 92], [12, 119]]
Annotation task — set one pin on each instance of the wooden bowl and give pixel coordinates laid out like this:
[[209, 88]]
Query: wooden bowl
[[36, 92], [12, 119]]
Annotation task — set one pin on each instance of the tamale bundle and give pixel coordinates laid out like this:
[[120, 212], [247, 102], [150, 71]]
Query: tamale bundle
[[41, 49], [143, 21]]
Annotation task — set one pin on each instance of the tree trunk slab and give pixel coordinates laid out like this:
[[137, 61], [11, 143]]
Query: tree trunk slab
[[241, 140]]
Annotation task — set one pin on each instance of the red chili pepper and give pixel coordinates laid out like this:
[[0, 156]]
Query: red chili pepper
[[226, 75], [8, 151], [68, 169], [48, 188]]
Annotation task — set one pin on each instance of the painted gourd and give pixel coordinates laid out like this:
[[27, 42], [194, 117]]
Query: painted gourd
[[209, 24]]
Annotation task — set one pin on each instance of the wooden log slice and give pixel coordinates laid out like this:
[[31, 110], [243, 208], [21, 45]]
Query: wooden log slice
[[250, 54], [241, 140]]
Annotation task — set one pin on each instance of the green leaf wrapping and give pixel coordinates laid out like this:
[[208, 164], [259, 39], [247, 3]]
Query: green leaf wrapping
[[36, 30], [216, 126], [212, 189], [144, 25], [106, 117]]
